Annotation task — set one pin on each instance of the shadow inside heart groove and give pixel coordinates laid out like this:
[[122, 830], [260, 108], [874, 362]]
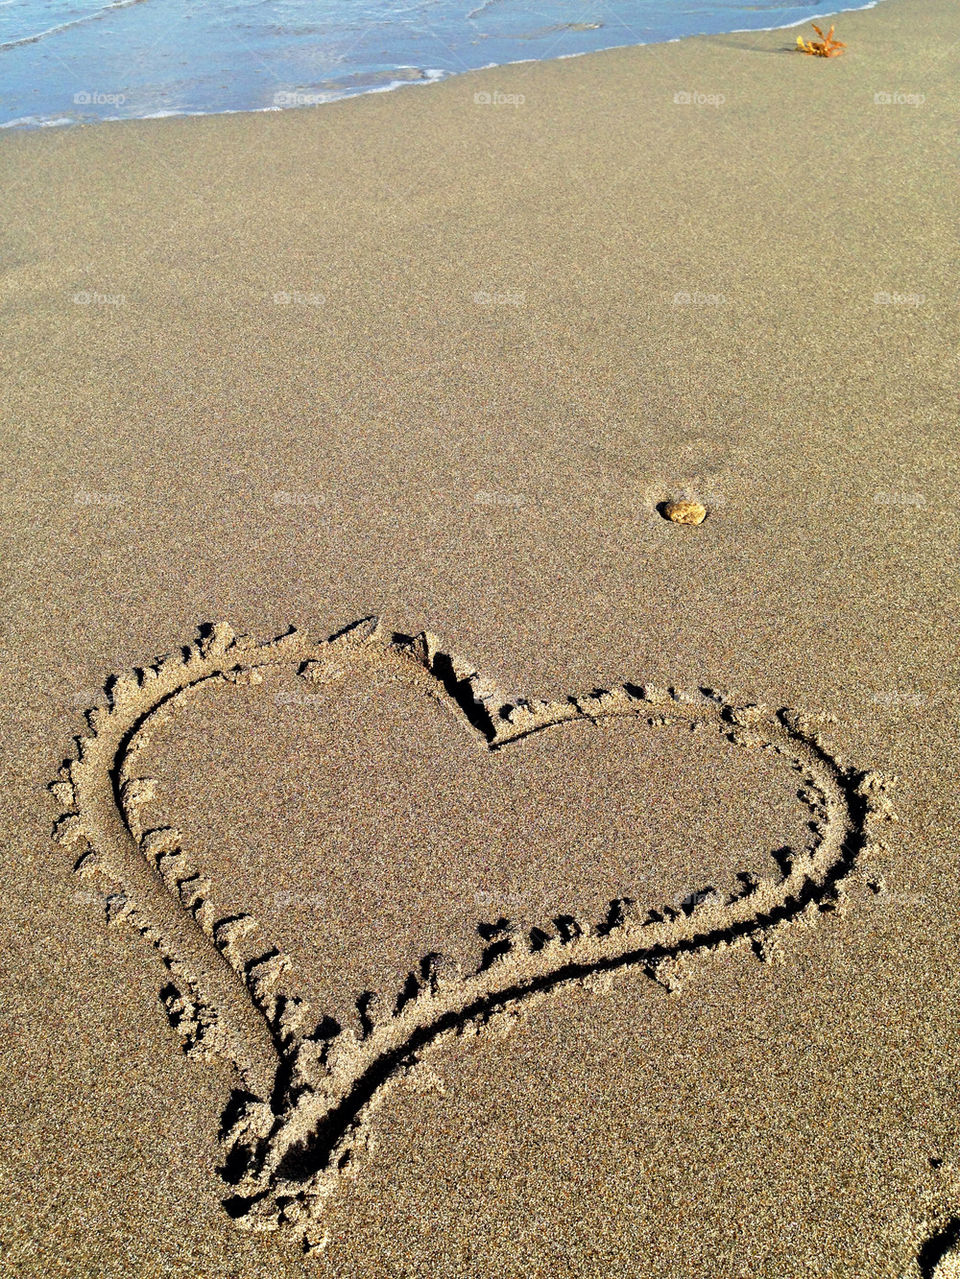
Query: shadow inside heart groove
[[344, 807]]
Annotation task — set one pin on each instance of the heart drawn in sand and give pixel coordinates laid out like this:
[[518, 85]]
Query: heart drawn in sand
[[301, 1117]]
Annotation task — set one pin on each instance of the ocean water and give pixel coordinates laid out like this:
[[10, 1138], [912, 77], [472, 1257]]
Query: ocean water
[[67, 61]]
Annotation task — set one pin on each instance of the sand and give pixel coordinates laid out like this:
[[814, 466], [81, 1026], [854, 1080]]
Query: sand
[[442, 360]]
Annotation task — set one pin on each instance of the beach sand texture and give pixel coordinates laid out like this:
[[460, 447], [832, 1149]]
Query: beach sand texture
[[443, 360]]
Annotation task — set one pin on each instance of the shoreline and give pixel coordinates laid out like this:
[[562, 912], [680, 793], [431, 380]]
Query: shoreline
[[425, 76]]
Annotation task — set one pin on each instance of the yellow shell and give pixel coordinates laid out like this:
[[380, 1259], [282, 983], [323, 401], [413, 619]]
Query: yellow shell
[[685, 512]]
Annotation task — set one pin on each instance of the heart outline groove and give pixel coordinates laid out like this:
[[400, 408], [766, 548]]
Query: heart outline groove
[[295, 1127]]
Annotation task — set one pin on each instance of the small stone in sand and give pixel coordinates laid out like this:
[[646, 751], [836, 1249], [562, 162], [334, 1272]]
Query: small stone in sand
[[684, 512]]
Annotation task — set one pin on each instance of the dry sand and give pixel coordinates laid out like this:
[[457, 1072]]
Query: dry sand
[[510, 331]]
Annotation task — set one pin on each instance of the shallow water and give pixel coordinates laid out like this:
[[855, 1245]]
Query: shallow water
[[64, 61]]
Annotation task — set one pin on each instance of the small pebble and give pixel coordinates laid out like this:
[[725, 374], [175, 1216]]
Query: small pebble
[[684, 512]]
